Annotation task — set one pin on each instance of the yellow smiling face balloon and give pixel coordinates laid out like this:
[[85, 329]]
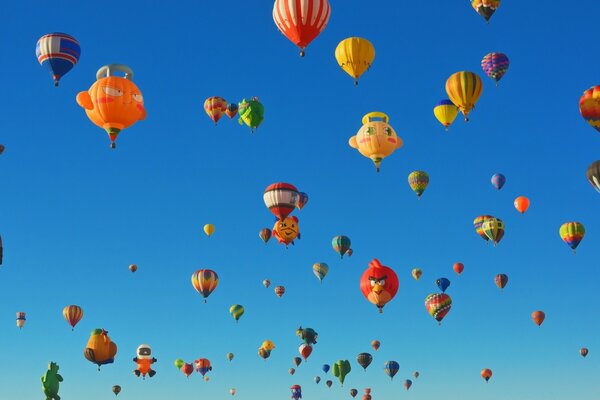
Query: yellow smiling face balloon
[[286, 231], [376, 139], [112, 102]]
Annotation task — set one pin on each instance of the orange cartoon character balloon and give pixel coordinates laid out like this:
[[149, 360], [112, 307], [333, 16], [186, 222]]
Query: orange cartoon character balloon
[[100, 348], [286, 230], [376, 139], [379, 284], [144, 361], [113, 102]]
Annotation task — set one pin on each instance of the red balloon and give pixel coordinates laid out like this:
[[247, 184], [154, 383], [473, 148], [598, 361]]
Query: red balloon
[[305, 350], [458, 268], [538, 317], [379, 284], [187, 369]]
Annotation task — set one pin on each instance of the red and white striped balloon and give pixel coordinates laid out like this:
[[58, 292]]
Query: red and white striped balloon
[[301, 21]]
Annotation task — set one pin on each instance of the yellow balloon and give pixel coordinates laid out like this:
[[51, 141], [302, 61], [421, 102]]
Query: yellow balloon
[[355, 55], [268, 345], [464, 89], [209, 229], [376, 139], [416, 273], [445, 112]]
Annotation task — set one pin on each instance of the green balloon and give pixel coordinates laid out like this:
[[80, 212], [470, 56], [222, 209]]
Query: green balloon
[[340, 369], [51, 382], [179, 363], [252, 113]]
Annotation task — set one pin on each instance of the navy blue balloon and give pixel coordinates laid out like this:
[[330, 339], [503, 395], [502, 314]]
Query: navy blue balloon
[[498, 180], [325, 368], [443, 284]]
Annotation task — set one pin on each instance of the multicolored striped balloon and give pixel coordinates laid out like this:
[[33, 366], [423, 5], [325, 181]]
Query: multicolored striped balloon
[[438, 305], [58, 52], [495, 65], [446, 112], [464, 89], [364, 360], [493, 229], [391, 368], [302, 200], [215, 107], [320, 270], [301, 21], [418, 181], [281, 199], [73, 315], [279, 291], [232, 110], [478, 223], [486, 374], [486, 8], [236, 311], [341, 244], [501, 280], [205, 281], [572, 234], [589, 106]]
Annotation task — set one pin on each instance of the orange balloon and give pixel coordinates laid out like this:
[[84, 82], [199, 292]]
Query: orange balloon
[[522, 204], [458, 267], [538, 317], [486, 374]]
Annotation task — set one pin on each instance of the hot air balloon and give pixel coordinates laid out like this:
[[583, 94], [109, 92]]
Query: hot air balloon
[[266, 283], [2, 148], [205, 281], [325, 368], [458, 268], [144, 361], [376, 139], [498, 180], [73, 315], [375, 344], [320, 270], [464, 89], [538, 317], [116, 389], [341, 244], [501, 280], [391, 368], [209, 229], [478, 225], [494, 229], [291, 371], [438, 305], [589, 106], [279, 291], [329, 383], [265, 234], [305, 350], [203, 366], [51, 381], [230, 356], [267, 345], [572, 233], [215, 107], [593, 175], [364, 360], [236, 311], [317, 379], [495, 65], [301, 21], [353, 392], [113, 103], [522, 204], [416, 374], [302, 200], [263, 353], [281, 199], [349, 252], [485, 8], [286, 230], [231, 110], [443, 284], [297, 361], [486, 374], [407, 384], [379, 284], [583, 351], [187, 369], [418, 181], [58, 52], [296, 392], [308, 335], [252, 113], [416, 273], [21, 319], [100, 349], [232, 391], [446, 112], [355, 55], [367, 395], [179, 363], [133, 267], [340, 369]]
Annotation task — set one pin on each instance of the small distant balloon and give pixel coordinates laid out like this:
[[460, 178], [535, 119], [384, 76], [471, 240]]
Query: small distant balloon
[[230, 356], [353, 392], [279, 291], [522, 204], [391, 368], [325, 368], [375, 344], [572, 234], [443, 284], [458, 268], [179, 363], [133, 267], [538, 317], [416, 374], [209, 229], [297, 361], [317, 379], [341, 244], [329, 383], [116, 390], [498, 181], [292, 371], [21, 319], [266, 283], [407, 384], [486, 374], [265, 234], [501, 280], [583, 351], [416, 273], [418, 182]]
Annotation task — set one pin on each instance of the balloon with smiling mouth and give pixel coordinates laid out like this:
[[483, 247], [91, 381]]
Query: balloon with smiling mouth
[[286, 230], [376, 139], [113, 103]]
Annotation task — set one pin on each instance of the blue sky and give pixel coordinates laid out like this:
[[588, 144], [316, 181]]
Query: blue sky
[[75, 214]]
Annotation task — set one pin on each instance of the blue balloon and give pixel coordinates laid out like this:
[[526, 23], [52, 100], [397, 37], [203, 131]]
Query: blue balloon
[[325, 368], [58, 52], [443, 284], [498, 180], [391, 368]]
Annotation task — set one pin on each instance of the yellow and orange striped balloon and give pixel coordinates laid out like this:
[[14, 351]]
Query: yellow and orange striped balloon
[[464, 89], [73, 315]]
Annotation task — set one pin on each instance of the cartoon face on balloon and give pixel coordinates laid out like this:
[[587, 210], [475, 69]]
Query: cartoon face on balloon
[[379, 284], [286, 230], [376, 139]]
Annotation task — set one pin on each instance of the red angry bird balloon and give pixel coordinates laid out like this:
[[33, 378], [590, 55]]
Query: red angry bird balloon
[[379, 284]]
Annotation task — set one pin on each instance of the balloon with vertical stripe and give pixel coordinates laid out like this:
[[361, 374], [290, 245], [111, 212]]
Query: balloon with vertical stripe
[[73, 315], [205, 282], [486, 8], [355, 56], [58, 52], [301, 21], [589, 106], [592, 174], [572, 234], [464, 89], [215, 107]]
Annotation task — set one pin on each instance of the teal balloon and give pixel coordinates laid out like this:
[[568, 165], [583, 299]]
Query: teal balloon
[[341, 244]]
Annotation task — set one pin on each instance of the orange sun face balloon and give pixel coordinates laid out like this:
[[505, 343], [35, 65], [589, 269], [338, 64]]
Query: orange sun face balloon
[[287, 230], [113, 103]]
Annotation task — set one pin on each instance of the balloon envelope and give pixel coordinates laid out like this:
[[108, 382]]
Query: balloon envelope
[[593, 175], [495, 65], [58, 52], [464, 89], [355, 56], [301, 21], [446, 112], [589, 106]]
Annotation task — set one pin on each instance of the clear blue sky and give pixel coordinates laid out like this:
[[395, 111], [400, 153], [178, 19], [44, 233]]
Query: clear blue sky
[[74, 214]]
